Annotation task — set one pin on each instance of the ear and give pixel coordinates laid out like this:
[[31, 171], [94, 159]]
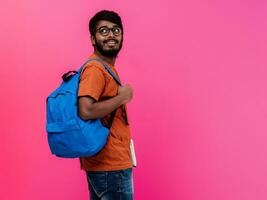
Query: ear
[[92, 39]]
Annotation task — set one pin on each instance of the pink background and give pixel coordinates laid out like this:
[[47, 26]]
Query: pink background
[[199, 113]]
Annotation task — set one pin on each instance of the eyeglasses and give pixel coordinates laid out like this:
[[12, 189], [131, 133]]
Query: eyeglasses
[[104, 30]]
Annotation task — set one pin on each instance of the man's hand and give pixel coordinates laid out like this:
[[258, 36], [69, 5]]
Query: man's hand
[[126, 92], [91, 109]]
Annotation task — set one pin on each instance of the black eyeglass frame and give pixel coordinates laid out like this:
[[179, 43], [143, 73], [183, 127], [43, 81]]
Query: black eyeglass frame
[[113, 29]]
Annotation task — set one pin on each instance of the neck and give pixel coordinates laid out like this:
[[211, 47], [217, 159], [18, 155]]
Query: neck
[[109, 60]]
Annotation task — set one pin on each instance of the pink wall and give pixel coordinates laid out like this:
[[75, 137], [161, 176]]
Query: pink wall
[[200, 106]]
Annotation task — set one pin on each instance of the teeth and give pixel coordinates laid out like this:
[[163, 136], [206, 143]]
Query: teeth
[[111, 42]]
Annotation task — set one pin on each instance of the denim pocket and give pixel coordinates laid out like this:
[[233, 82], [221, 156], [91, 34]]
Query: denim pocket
[[126, 181], [98, 181]]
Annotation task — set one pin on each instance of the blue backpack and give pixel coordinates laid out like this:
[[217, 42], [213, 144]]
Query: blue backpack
[[69, 136]]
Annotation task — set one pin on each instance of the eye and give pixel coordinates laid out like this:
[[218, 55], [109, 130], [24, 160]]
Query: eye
[[117, 30], [103, 30]]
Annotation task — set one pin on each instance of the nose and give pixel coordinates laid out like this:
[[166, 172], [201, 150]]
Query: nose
[[110, 33]]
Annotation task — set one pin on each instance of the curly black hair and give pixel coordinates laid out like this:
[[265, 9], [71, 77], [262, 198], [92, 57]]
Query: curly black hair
[[104, 15]]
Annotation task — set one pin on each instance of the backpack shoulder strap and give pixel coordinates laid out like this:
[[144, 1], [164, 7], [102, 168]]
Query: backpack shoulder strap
[[117, 81], [106, 67]]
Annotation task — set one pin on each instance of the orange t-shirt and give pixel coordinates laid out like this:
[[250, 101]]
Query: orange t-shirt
[[96, 82]]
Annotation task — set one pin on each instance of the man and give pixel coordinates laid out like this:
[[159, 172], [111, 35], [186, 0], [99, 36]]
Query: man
[[109, 172]]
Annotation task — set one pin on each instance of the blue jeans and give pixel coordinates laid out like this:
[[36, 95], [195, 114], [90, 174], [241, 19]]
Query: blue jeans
[[110, 185]]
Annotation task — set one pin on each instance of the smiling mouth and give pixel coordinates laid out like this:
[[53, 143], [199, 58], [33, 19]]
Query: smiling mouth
[[111, 42]]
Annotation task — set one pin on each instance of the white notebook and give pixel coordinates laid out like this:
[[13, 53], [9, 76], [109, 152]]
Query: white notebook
[[133, 153]]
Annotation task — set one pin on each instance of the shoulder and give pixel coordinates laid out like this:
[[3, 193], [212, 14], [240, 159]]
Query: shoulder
[[94, 64], [93, 67]]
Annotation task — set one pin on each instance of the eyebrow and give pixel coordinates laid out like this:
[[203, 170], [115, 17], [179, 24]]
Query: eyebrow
[[115, 26]]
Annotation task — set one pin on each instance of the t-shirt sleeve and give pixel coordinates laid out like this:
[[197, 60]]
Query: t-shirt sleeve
[[92, 82]]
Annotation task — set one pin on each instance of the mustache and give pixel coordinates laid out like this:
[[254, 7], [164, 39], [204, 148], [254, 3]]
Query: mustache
[[116, 41]]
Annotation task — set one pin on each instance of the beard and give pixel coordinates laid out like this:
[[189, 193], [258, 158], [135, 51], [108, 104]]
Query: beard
[[108, 53]]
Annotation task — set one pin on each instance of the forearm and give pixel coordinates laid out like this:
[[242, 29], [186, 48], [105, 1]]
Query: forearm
[[101, 108]]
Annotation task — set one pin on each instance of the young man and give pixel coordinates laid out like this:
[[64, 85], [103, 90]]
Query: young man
[[109, 172]]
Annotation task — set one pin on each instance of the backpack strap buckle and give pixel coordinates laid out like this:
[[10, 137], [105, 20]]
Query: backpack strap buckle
[[66, 77]]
